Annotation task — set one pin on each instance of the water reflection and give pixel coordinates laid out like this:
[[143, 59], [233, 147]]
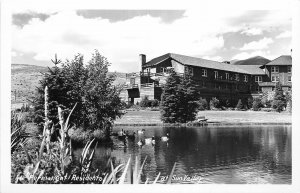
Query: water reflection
[[215, 154]]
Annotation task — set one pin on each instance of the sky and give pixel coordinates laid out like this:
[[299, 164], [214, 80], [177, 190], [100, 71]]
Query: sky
[[121, 35]]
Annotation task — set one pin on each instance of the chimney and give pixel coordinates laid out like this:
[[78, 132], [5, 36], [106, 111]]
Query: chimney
[[142, 60]]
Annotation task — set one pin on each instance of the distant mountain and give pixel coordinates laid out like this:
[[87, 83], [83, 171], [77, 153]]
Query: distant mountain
[[257, 60], [25, 78]]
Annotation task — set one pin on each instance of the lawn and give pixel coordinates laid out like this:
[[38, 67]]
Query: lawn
[[153, 117]]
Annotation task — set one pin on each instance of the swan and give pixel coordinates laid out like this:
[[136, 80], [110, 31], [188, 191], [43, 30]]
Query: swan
[[153, 140], [165, 138], [140, 143], [141, 131], [150, 140]]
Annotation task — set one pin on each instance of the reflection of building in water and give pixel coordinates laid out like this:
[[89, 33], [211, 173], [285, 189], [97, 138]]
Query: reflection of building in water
[[276, 143]]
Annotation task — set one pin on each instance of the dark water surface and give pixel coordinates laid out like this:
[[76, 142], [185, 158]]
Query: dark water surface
[[233, 155]]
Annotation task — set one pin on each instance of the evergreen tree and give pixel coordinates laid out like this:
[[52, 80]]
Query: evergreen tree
[[169, 99], [279, 102], [179, 102], [189, 97]]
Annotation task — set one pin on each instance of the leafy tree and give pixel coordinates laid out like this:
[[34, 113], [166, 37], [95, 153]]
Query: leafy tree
[[90, 86], [101, 101], [279, 102], [239, 105]]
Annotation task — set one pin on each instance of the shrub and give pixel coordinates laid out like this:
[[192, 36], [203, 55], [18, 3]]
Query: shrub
[[79, 135], [268, 103], [145, 102], [202, 104], [249, 103], [154, 103], [25, 108], [279, 102], [239, 105], [214, 103], [256, 104], [227, 103], [289, 101]]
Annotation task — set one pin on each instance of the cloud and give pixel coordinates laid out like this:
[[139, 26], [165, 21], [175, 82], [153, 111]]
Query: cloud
[[194, 33], [286, 34], [67, 34], [214, 58], [258, 45], [21, 19], [252, 31], [167, 16]]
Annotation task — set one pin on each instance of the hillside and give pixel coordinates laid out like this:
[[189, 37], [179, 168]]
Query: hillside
[[257, 60], [25, 78]]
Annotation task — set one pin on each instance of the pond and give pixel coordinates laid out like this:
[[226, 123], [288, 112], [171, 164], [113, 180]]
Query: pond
[[211, 154]]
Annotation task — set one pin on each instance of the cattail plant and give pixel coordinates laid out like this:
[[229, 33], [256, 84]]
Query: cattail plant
[[64, 140]]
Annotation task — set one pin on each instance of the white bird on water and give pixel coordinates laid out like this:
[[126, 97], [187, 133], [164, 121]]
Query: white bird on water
[[141, 131], [150, 140], [165, 138]]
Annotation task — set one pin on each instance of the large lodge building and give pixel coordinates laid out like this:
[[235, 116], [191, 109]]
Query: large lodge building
[[215, 79]]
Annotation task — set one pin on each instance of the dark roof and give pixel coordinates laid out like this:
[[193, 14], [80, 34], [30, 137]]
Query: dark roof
[[281, 60], [156, 60], [193, 61], [252, 69]]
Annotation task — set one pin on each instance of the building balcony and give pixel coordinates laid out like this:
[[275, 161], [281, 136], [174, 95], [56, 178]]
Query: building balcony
[[145, 85], [130, 86], [267, 83], [153, 74]]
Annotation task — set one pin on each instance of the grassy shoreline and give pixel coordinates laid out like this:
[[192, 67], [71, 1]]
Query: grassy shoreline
[[152, 118]]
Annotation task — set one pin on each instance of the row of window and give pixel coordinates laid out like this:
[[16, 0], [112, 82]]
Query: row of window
[[218, 86], [275, 69], [259, 88], [237, 76], [227, 77], [276, 78]]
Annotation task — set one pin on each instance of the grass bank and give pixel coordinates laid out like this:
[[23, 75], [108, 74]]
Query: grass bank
[[151, 118]]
